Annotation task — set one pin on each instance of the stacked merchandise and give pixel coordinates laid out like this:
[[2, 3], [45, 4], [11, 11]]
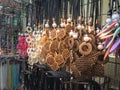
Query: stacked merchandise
[[73, 45], [70, 46]]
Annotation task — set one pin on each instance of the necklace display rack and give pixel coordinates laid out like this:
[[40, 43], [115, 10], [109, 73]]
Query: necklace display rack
[[72, 48]]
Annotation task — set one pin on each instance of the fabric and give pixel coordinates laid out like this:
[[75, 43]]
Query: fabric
[[10, 76], [16, 75], [1, 84], [3, 75]]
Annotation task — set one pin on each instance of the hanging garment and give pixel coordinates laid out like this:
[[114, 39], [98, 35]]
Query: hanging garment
[[16, 75], [3, 75], [10, 76]]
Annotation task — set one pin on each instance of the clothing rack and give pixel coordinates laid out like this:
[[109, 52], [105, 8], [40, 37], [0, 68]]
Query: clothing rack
[[10, 72]]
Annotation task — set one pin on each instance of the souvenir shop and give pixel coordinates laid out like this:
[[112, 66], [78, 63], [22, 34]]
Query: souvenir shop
[[59, 44]]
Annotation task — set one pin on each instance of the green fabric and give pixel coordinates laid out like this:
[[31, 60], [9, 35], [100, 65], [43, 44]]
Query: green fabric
[[10, 76]]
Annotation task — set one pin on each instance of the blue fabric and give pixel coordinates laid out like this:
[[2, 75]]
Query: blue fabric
[[16, 75]]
